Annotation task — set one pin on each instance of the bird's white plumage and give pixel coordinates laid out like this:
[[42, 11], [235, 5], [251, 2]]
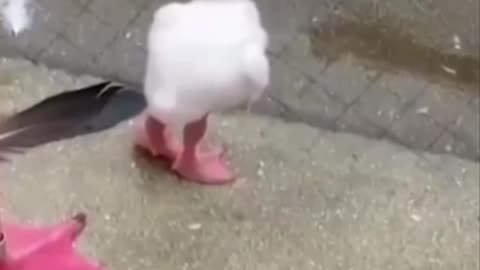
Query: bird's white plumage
[[204, 56]]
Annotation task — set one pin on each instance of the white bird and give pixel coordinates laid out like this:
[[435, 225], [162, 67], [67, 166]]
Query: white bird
[[204, 56], [15, 15]]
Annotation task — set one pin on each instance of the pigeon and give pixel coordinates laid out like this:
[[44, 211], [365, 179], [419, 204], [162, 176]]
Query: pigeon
[[203, 57]]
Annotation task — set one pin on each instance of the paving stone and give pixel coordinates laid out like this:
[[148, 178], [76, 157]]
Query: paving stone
[[441, 104], [137, 31], [379, 106], [322, 12], [37, 37], [123, 60], [475, 103], [62, 54], [8, 48], [405, 86], [316, 107], [83, 2], [352, 121], [116, 13], [89, 34], [467, 129], [287, 83], [299, 54], [154, 4], [346, 79], [415, 130], [59, 14], [447, 143], [283, 19], [266, 105]]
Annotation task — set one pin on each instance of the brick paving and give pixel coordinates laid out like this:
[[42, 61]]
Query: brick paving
[[107, 38]]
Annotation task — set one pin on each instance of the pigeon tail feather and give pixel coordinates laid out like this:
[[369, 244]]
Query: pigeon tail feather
[[63, 112]]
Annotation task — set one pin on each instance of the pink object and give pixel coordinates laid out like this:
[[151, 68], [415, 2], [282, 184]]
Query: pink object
[[156, 138], [204, 166], [43, 248]]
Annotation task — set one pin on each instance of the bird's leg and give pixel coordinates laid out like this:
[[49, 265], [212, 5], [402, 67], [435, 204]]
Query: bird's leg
[[207, 149], [207, 166], [156, 137]]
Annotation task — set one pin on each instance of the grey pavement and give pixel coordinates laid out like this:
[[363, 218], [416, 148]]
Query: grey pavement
[[382, 70], [306, 198]]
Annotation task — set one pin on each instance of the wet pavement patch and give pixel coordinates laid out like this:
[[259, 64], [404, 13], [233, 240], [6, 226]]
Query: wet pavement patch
[[385, 45]]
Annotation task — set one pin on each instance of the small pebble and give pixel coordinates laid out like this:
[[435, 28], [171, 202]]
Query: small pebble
[[448, 148], [457, 43], [415, 217], [449, 70], [195, 226], [423, 110]]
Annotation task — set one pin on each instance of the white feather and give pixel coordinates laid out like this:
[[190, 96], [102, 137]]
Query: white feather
[[16, 17], [204, 56]]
